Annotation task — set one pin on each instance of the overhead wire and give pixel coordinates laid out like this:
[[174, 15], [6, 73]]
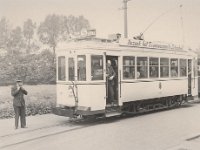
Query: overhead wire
[[157, 18]]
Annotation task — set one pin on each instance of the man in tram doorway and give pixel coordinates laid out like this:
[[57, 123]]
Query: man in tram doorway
[[18, 92], [110, 82]]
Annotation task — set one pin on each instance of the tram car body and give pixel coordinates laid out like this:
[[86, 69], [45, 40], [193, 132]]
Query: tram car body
[[149, 76]]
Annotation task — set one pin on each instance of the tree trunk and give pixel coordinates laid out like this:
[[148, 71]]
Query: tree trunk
[[54, 51]]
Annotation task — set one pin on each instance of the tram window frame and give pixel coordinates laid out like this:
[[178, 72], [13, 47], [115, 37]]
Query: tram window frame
[[164, 63], [153, 73], [144, 74], [71, 65], [129, 67], [174, 74], [97, 74], [81, 74], [61, 68], [181, 67], [195, 67]]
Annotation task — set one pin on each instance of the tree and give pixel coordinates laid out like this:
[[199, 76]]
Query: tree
[[15, 42], [72, 26], [49, 31], [56, 28], [4, 32], [28, 32], [77, 24]]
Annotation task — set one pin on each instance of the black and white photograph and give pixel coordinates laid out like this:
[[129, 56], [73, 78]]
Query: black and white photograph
[[99, 75]]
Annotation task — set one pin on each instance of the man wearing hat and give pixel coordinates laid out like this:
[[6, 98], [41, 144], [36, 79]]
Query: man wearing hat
[[110, 82], [18, 92]]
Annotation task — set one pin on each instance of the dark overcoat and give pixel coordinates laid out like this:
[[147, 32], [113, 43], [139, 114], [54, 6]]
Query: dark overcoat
[[18, 96]]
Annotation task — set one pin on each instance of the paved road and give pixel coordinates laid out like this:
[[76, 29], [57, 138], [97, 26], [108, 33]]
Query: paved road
[[176, 129]]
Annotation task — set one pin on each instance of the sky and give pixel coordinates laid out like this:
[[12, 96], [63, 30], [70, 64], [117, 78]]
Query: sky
[[106, 16]]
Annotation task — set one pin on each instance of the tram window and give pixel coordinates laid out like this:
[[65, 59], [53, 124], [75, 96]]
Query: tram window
[[97, 67], [61, 68], [71, 70], [142, 70], [174, 67], [164, 67], [183, 67], [81, 68], [153, 67], [198, 67], [128, 67]]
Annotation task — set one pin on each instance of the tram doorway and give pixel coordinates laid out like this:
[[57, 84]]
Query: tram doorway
[[112, 92], [189, 77]]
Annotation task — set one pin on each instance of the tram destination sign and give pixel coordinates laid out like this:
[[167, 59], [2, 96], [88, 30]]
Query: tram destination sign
[[150, 45]]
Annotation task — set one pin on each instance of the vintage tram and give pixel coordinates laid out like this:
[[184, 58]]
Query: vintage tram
[[149, 76]]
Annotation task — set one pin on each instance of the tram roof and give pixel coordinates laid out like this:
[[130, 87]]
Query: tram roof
[[107, 44]]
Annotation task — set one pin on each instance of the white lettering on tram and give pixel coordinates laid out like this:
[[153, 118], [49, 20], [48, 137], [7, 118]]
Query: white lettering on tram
[[152, 45]]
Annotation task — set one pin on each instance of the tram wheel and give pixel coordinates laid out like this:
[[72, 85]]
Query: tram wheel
[[180, 101], [172, 102]]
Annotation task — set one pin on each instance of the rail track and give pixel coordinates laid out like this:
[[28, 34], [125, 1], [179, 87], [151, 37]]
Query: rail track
[[10, 140], [37, 137]]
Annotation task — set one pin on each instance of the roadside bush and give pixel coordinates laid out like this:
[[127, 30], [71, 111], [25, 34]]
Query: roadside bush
[[39, 108], [7, 113], [31, 110]]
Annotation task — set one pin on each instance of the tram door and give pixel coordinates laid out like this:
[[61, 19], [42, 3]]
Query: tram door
[[189, 77], [112, 95]]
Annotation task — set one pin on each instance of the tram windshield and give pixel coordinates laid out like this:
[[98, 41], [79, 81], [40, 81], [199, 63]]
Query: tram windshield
[[81, 69], [71, 71], [61, 68]]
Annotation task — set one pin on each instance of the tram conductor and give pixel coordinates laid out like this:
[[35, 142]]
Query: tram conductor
[[18, 92], [110, 82]]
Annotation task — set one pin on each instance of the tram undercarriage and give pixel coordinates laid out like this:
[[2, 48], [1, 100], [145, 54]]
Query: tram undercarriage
[[132, 107], [135, 107]]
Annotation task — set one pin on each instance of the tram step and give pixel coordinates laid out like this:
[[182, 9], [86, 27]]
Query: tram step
[[111, 114], [113, 109]]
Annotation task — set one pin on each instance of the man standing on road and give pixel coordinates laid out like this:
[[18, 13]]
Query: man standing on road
[[18, 92]]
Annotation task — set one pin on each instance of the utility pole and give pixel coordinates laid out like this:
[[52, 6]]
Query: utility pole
[[125, 19], [182, 26]]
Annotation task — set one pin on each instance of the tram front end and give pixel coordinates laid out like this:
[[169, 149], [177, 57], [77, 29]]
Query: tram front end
[[80, 89]]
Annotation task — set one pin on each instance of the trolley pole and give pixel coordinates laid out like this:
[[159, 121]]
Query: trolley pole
[[125, 19]]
